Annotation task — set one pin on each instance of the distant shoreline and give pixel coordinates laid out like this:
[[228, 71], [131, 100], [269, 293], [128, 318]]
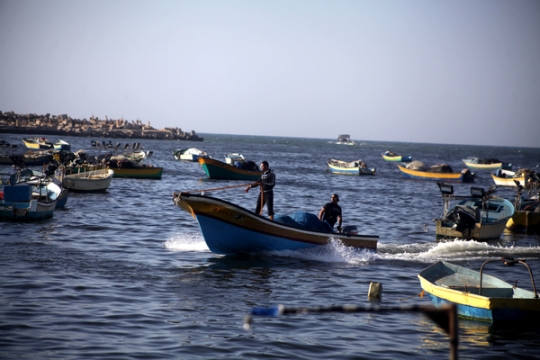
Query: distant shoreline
[[63, 125]]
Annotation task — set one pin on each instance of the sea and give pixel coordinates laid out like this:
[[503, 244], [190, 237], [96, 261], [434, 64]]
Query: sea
[[126, 274]]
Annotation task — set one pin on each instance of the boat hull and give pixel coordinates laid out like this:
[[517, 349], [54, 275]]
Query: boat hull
[[18, 203], [499, 302], [424, 175], [500, 181], [216, 169], [527, 221], [154, 173], [479, 232], [89, 181], [398, 158], [229, 229]]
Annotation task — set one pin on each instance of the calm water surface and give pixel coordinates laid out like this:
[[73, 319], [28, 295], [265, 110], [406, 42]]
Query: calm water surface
[[127, 275]]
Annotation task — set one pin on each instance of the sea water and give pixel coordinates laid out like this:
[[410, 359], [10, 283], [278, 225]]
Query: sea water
[[127, 275]]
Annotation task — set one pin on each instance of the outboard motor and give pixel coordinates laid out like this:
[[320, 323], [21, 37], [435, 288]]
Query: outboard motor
[[350, 230]]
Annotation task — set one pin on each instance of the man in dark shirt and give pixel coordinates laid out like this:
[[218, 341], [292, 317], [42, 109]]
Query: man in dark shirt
[[266, 195], [331, 212]]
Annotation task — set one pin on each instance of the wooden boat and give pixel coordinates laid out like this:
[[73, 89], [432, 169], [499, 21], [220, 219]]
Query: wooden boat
[[190, 154], [394, 157], [479, 216], [344, 139], [89, 181], [475, 163], [357, 167], [124, 168], [231, 229], [27, 202], [31, 158], [521, 177], [526, 216], [38, 143], [480, 296], [216, 169], [464, 176]]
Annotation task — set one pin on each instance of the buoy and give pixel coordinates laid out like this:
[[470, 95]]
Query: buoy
[[375, 290]]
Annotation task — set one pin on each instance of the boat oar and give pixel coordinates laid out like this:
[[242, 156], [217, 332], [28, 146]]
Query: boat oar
[[219, 188], [445, 316]]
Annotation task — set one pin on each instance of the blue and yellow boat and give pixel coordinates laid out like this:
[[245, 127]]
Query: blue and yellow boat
[[464, 176], [216, 169], [230, 229], [479, 296], [393, 157]]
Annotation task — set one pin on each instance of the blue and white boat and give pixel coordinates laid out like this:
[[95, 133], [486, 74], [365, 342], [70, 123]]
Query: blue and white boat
[[28, 202], [480, 296], [479, 216], [230, 229]]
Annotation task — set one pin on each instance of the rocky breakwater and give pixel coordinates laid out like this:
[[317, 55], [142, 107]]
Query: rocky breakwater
[[93, 127]]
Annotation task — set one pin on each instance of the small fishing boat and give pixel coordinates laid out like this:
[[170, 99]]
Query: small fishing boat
[[479, 216], [345, 139], [394, 157], [526, 216], [480, 296], [125, 168], [190, 154], [216, 169], [38, 143], [475, 163], [357, 167], [28, 202], [230, 229], [89, 181], [38, 179], [521, 177], [440, 172], [31, 158]]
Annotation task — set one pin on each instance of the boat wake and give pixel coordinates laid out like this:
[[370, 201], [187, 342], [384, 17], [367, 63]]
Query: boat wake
[[186, 242], [334, 252], [453, 250]]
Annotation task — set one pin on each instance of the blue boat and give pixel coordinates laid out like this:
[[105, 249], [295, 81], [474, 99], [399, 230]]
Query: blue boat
[[479, 296], [230, 229], [23, 202]]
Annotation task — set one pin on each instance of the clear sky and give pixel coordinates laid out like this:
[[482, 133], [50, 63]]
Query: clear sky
[[436, 71]]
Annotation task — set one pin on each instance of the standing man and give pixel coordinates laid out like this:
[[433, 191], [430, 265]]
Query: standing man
[[331, 212], [266, 195]]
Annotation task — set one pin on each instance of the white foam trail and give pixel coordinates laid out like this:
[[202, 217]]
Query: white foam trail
[[453, 250], [186, 242], [334, 252]]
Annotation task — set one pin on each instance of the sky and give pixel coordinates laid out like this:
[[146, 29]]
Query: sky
[[427, 71]]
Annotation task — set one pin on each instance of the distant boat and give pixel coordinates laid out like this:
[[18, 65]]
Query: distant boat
[[230, 229], [479, 296], [424, 173], [190, 154], [38, 143], [233, 158], [31, 158], [394, 157], [475, 163], [479, 216], [345, 139], [357, 167], [216, 169], [125, 168], [61, 145], [89, 181], [503, 177]]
